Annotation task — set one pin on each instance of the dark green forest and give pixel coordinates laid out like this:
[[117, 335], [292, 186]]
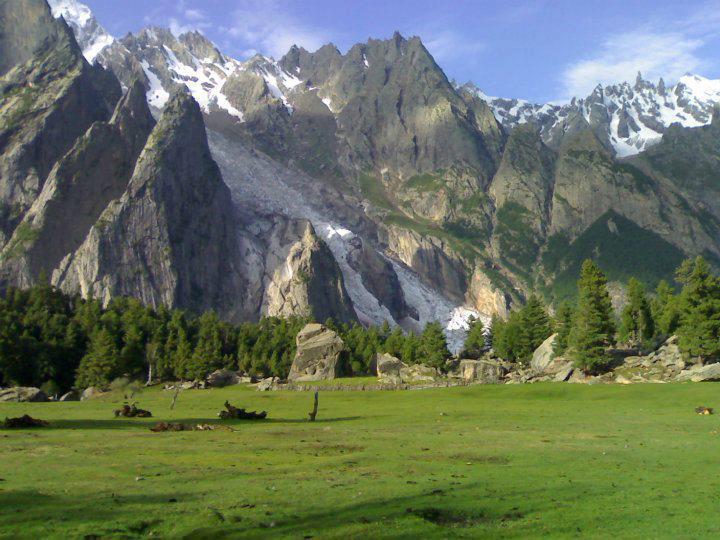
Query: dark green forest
[[56, 341]]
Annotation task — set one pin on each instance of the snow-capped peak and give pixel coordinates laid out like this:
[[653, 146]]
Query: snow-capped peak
[[634, 117], [91, 37]]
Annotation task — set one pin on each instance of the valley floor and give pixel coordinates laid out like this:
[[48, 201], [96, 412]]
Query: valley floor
[[508, 461]]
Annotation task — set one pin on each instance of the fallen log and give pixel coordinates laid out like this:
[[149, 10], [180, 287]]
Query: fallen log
[[132, 411], [22, 422], [234, 413]]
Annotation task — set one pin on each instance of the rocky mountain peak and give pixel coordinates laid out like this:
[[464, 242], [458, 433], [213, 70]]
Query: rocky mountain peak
[[91, 36], [132, 114]]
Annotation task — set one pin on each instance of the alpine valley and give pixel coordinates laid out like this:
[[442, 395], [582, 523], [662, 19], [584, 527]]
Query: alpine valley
[[359, 186]]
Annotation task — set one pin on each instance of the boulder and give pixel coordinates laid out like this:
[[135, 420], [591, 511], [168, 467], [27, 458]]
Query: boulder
[[319, 350], [484, 371], [90, 393], [388, 367], [267, 384], [669, 354], [710, 372], [222, 377], [564, 373], [72, 395], [22, 394], [543, 355], [418, 373]]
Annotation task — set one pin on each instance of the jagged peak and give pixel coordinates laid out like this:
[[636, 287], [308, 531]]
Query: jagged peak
[[132, 109]]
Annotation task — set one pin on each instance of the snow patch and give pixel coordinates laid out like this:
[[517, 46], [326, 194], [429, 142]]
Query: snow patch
[[157, 96]]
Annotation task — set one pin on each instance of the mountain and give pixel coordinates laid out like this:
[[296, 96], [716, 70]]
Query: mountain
[[362, 186], [628, 117], [91, 36]]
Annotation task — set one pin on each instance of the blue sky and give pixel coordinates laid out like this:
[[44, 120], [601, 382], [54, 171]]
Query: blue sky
[[540, 50]]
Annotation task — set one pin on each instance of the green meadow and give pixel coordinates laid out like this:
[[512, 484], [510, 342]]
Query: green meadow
[[510, 461]]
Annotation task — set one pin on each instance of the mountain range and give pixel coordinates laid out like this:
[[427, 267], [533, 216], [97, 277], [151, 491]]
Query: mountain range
[[360, 186]]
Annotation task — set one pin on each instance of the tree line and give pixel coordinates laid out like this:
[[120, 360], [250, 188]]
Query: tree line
[[58, 341], [589, 327]]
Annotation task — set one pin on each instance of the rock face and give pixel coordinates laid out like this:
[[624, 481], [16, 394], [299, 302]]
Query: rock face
[[302, 276], [543, 355], [78, 189], [171, 237], [22, 394], [50, 97], [319, 354]]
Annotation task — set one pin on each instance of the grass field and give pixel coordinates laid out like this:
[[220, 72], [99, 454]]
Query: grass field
[[542, 460]]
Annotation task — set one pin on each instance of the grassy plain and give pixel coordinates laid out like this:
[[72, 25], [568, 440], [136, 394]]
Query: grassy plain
[[542, 460]]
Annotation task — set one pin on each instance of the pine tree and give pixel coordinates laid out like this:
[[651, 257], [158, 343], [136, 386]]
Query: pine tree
[[665, 310], [536, 325], [433, 346], [637, 325], [208, 354], [475, 340], [563, 326], [699, 330], [102, 362], [593, 326]]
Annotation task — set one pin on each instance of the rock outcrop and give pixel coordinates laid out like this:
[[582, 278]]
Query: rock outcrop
[[388, 368], [319, 354], [302, 276], [543, 355], [484, 370]]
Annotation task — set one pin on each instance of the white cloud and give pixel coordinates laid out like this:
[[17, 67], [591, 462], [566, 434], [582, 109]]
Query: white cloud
[[267, 26], [446, 45], [194, 14], [667, 50], [654, 54]]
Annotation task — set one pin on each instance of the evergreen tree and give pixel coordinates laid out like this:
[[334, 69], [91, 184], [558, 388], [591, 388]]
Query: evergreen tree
[[637, 326], [699, 330], [563, 326], [475, 340], [593, 326], [433, 346], [536, 325], [208, 354], [665, 309], [102, 362]]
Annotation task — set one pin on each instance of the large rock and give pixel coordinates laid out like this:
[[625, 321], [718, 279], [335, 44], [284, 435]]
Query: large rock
[[22, 394], [711, 372], [319, 351], [418, 373], [543, 355], [389, 367], [222, 377], [90, 393], [72, 395], [484, 371]]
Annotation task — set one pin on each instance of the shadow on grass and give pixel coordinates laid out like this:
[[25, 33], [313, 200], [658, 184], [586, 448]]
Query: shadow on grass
[[413, 516], [27, 508], [146, 423]]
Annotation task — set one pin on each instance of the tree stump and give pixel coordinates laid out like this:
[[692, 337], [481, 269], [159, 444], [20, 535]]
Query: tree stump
[[312, 414]]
